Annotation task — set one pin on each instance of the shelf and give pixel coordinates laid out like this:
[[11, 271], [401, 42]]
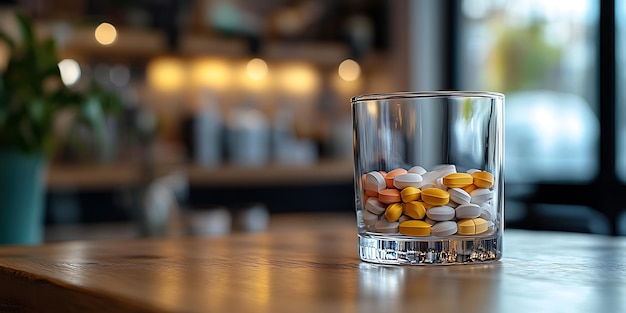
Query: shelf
[[117, 176]]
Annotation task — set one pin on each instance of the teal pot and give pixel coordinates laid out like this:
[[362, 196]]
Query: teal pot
[[21, 197]]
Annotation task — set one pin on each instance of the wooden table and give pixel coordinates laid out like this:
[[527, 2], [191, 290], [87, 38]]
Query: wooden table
[[309, 264]]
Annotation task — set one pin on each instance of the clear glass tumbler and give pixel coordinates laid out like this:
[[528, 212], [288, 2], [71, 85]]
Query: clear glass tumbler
[[429, 180]]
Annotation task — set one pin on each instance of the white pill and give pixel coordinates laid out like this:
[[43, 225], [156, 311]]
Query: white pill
[[472, 170], [469, 210], [369, 218], [481, 195], [374, 206], [432, 176], [384, 226], [486, 211], [426, 186], [443, 229], [374, 181], [417, 170], [440, 213], [439, 184], [407, 180], [404, 218], [459, 195], [452, 204]]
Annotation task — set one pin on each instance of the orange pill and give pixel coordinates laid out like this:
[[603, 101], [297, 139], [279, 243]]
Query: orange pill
[[371, 193], [469, 188], [392, 174], [483, 179], [389, 196]]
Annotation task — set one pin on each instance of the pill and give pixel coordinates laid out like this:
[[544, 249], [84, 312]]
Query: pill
[[427, 205], [374, 206], [440, 213], [417, 170], [389, 196], [415, 210], [430, 221], [459, 195], [431, 177], [369, 218], [469, 188], [445, 228], [435, 196], [483, 179], [394, 211], [440, 185], [409, 194], [385, 226], [374, 181], [472, 170], [486, 212], [472, 226], [426, 186], [458, 180], [415, 228], [371, 193], [389, 178], [404, 218], [407, 180], [469, 210], [480, 195], [452, 204]]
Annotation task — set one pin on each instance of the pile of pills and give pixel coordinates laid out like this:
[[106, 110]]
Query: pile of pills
[[416, 202]]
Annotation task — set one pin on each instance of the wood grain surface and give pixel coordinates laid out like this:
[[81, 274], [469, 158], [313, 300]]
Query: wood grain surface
[[309, 264]]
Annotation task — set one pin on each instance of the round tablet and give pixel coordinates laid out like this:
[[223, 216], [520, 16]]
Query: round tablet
[[374, 181], [415, 228], [443, 229]]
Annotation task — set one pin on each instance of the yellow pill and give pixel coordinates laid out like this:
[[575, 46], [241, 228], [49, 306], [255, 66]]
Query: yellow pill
[[415, 228], [435, 196], [483, 179], [458, 180], [472, 226], [409, 194], [393, 212], [415, 210]]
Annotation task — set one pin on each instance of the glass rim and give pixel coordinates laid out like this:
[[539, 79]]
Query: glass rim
[[426, 94]]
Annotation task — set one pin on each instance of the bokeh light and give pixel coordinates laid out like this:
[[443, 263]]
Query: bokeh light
[[211, 72], [349, 70], [70, 71], [106, 34], [166, 74], [256, 69]]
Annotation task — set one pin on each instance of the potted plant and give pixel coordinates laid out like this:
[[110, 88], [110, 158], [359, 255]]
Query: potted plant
[[32, 97]]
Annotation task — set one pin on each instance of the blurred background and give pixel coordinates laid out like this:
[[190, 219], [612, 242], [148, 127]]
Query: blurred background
[[242, 107]]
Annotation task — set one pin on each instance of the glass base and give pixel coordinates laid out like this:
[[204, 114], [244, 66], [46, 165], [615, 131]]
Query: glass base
[[429, 250]]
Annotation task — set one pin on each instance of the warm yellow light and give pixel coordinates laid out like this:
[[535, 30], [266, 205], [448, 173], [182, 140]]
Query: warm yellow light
[[349, 70], [166, 74], [256, 69], [298, 78], [214, 73], [105, 34], [245, 81], [70, 71]]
